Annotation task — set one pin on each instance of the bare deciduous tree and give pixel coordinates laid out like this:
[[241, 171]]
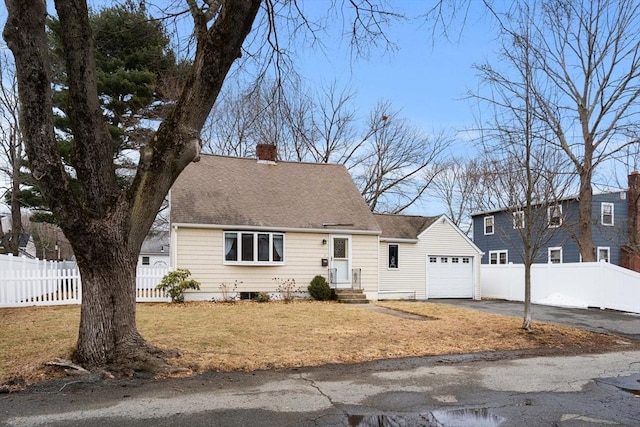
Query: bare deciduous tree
[[459, 187], [585, 67], [528, 174], [397, 162], [12, 150]]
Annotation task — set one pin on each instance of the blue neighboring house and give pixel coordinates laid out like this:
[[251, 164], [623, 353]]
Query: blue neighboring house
[[496, 232]]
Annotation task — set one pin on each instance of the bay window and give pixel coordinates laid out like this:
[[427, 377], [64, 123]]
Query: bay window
[[250, 247]]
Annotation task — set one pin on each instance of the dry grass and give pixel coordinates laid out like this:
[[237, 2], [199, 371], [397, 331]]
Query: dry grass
[[249, 336]]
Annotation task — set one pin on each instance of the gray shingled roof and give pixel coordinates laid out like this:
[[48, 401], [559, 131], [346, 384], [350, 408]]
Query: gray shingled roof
[[244, 192], [403, 226]]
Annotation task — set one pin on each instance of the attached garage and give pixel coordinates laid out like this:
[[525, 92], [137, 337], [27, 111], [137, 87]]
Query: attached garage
[[426, 257], [449, 276]]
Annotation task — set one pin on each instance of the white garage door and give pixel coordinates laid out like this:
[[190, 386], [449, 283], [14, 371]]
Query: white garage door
[[449, 276]]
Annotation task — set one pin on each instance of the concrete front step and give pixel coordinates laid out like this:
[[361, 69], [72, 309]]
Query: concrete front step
[[351, 296]]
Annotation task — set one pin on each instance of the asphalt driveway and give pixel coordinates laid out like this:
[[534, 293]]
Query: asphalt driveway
[[590, 319]]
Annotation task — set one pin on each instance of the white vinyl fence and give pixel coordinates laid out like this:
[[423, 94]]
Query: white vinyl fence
[[593, 284], [26, 282]]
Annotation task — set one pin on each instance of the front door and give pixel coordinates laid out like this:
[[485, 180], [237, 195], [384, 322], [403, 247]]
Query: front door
[[341, 260]]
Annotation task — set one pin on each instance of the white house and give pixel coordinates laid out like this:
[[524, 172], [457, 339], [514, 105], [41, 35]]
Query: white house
[[426, 257], [249, 225]]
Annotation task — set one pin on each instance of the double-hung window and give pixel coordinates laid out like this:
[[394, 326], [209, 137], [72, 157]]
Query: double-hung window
[[604, 253], [518, 219], [253, 247], [554, 214], [498, 257], [488, 225], [555, 255], [606, 213]]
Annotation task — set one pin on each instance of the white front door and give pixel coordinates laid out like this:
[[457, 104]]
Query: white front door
[[341, 260]]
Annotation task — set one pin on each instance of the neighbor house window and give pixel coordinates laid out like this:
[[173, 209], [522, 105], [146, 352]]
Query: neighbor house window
[[606, 213], [145, 260], [518, 219], [604, 254], [555, 255], [488, 225], [393, 256], [249, 247], [498, 257], [554, 214]]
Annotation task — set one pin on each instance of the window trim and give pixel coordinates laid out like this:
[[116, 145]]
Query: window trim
[[497, 254], [518, 220], [555, 248], [559, 206], [397, 266], [493, 225], [255, 249], [602, 206], [608, 249]]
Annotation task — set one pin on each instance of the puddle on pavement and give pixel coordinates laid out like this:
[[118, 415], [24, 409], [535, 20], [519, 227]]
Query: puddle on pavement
[[480, 417]]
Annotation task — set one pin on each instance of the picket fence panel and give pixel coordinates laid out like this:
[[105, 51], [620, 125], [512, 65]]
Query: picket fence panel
[[593, 284], [35, 282]]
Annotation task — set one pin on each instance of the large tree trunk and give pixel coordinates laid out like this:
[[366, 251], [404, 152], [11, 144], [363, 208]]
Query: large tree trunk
[[585, 217], [107, 321], [105, 223]]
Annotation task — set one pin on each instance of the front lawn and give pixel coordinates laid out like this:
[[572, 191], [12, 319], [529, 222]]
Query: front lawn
[[250, 336]]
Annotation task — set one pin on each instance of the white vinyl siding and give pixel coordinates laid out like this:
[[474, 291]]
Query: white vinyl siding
[[201, 251], [441, 239]]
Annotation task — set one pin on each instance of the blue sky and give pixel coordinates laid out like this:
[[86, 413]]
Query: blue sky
[[427, 78]]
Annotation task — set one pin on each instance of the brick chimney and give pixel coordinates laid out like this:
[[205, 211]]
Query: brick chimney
[[266, 152], [631, 251]]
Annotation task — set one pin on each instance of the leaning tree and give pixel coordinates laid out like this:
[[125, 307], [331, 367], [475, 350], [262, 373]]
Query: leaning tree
[[104, 218]]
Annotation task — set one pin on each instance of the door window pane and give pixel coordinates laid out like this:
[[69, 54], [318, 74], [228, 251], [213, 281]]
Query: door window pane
[[340, 248]]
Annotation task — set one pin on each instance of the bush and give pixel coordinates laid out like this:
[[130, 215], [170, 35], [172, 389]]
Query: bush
[[174, 283], [319, 289], [287, 289], [263, 297], [228, 291]]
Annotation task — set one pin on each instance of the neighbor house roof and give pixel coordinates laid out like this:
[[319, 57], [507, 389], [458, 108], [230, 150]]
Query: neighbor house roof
[[232, 191], [403, 226], [156, 243]]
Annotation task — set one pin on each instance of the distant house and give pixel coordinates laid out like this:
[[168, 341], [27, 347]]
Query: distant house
[[426, 257], [155, 250], [496, 232], [26, 247], [249, 225]]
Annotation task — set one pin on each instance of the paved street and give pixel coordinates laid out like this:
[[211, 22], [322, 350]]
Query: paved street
[[469, 390]]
